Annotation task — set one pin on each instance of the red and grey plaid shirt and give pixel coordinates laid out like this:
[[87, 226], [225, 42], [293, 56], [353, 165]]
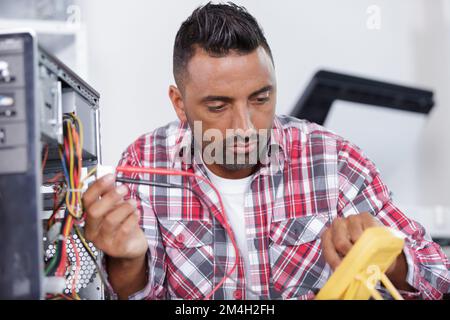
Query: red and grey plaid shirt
[[315, 176]]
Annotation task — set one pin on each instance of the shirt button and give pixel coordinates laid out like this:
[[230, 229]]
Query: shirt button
[[180, 238], [237, 294]]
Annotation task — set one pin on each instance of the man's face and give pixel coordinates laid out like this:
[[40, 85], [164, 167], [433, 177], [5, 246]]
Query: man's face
[[233, 97]]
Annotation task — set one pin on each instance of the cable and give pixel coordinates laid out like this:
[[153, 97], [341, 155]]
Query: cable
[[56, 207], [56, 178], [77, 267], [221, 219], [58, 296], [71, 157], [52, 266], [162, 185], [94, 259], [90, 173], [70, 153]]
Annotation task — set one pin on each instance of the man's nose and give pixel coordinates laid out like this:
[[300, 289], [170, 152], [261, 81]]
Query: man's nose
[[242, 119]]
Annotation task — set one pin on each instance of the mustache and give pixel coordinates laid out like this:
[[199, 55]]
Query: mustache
[[239, 139]]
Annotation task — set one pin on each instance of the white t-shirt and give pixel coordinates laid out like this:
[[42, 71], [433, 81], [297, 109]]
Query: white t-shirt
[[232, 192]]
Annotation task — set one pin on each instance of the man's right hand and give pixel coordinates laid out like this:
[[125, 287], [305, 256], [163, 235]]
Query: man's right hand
[[112, 224]]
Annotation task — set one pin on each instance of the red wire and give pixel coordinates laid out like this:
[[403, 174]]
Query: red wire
[[55, 178], [77, 266], [62, 264], [66, 149], [55, 209], [77, 168], [168, 172]]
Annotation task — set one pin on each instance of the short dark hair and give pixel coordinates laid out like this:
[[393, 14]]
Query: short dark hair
[[217, 29]]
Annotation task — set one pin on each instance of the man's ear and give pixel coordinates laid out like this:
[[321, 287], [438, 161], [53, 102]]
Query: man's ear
[[177, 102]]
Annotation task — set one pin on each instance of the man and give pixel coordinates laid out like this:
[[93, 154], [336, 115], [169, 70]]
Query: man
[[295, 211]]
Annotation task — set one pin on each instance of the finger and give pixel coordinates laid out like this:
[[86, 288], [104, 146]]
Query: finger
[[130, 223], [128, 227], [112, 198], [113, 220], [368, 220], [97, 189], [127, 239], [329, 251], [96, 212], [355, 228], [341, 236]]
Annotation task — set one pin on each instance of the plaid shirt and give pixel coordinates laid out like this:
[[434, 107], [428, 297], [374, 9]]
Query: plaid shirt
[[314, 177]]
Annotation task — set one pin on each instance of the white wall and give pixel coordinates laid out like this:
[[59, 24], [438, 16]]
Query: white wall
[[130, 54]]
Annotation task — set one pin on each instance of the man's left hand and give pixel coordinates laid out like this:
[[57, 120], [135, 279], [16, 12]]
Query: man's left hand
[[340, 237]]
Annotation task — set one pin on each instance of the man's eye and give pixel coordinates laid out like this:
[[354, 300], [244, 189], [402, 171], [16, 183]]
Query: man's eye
[[262, 100], [216, 108]]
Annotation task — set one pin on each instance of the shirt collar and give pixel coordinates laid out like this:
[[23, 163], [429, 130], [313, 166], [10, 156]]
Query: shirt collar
[[182, 151]]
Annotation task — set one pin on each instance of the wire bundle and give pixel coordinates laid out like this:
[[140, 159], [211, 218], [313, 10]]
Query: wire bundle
[[69, 191]]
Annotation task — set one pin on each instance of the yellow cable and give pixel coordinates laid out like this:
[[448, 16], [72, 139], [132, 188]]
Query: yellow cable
[[375, 293], [80, 154], [83, 240], [69, 136], [90, 173], [61, 155], [73, 137], [79, 185], [80, 125], [390, 287], [67, 228]]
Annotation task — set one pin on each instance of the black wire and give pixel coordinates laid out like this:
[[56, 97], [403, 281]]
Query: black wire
[[162, 185]]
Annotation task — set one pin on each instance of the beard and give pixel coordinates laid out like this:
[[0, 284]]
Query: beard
[[236, 152]]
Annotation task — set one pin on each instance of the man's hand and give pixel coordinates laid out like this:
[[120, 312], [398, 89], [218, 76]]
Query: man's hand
[[340, 237], [112, 224]]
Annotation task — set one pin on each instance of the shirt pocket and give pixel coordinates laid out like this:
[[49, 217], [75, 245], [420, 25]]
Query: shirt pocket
[[186, 233], [298, 267], [189, 257], [296, 231]]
